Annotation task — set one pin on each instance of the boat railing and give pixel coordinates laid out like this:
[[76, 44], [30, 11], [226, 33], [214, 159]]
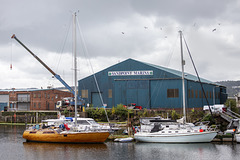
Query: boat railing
[[29, 126], [211, 128]]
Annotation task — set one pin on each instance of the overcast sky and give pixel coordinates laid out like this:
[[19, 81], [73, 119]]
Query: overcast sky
[[113, 31]]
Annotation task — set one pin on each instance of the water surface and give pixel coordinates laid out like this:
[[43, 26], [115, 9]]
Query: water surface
[[13, 146]]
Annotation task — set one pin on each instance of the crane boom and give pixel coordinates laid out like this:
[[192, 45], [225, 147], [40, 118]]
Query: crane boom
[[49, 69]]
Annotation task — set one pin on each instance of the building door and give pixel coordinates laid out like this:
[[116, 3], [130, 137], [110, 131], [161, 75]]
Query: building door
[[132, 91], [120, 93], [138, 92], [96, 99]]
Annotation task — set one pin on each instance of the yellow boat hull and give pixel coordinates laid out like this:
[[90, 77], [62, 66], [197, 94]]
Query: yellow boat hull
[[52, 136]]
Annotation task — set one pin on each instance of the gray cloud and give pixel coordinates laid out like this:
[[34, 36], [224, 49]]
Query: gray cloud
[[150, 34]]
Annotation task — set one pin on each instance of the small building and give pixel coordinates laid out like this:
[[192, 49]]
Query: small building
[[147, 85], [237, 98], [31, 99]]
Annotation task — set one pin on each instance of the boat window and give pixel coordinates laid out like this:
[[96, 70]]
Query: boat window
[[82, 122], [48, 132], [144, 121], [188, 131], [169, 131], [167, 126], [33, 132], [163, 131], [176, 131], [92, 122]]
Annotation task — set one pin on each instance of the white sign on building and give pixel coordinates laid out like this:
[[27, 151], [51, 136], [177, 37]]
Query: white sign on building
[[130, 73]]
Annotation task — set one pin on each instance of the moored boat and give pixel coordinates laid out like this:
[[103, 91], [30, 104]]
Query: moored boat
[[54, 136], [127, 139], [237, 134], [167, 131], [156, 129], [63, 130], [181, 135], [237, 137]]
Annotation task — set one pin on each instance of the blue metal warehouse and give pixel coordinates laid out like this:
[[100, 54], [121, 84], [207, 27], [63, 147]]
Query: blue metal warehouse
[[149, 86]]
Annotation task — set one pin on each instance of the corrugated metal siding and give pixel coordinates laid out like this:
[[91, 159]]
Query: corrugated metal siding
[[149, 91], [96, 100], [131, 91], [159, 97], [120, 91]]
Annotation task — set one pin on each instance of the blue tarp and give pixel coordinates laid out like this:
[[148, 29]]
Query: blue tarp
[[70, 118]]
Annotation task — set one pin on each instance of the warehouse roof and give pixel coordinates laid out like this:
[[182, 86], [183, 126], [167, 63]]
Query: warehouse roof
[[169, 70], [179, 73]]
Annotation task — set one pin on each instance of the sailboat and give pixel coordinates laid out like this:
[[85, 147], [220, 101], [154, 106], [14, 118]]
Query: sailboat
[[167, 131], [67, 132]]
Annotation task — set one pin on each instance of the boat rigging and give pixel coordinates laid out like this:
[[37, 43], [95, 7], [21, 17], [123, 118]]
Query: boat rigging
[[165, 131], [65, 133]]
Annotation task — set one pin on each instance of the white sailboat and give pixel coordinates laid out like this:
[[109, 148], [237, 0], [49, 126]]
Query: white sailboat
[[165, 131], [237, 135]]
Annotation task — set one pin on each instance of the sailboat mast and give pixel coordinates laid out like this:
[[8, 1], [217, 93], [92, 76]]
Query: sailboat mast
[[75, 64], [183, 81]]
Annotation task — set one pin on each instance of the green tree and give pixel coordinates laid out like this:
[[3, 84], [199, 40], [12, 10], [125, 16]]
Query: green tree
[[230, 103]]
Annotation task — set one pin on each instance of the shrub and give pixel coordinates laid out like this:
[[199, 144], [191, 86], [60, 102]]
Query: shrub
[[121, 112], [145, 113], [174, 115], [66, 112], [113, 110]]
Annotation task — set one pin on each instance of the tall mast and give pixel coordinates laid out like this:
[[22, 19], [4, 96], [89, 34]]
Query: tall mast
[[75, 64], [183, 81]]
